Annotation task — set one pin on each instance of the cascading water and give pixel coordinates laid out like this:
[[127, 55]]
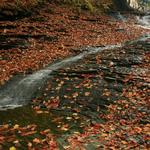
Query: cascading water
[[144, 21], [20, 92]]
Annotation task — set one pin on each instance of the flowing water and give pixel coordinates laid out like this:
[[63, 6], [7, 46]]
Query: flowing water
[[144, 21], [20, 92]]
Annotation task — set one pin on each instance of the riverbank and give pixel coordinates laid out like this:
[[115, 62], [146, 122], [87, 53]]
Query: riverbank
[[32, 43]]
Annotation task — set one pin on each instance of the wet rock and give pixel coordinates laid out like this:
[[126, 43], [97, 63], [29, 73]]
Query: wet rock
[[7, 26], [7, 43], [11, 14], [38, 19]]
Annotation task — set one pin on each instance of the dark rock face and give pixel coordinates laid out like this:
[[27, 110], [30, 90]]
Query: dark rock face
[[13, 13], [6, 43], [123, 5], [17, 9]]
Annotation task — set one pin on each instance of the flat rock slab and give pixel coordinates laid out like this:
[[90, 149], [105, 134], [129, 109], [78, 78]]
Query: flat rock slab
[[10, 41]]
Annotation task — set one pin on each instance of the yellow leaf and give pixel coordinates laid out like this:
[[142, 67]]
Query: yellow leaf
[[36, 140], [146, 129], [5, 126], [130, 94], [87, 93], [29, 144], [124, 142], [66, 147], [75, 95], [12, 148], [68, 118], [39, 112], [138, 129], [16, 126], [104, 135], [64, 129], [75, 114]]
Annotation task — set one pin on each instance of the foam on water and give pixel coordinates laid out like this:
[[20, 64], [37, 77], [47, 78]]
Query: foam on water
[[144, 21]]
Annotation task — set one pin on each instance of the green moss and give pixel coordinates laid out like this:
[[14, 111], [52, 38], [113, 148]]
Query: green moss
[[82, 4]]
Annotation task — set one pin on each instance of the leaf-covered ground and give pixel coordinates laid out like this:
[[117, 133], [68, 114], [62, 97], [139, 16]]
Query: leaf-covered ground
[[127, 125], [32, 43], [100, 102]]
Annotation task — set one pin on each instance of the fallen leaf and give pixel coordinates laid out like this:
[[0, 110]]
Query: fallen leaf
[[36, 140], [87, 93], [12, 148]]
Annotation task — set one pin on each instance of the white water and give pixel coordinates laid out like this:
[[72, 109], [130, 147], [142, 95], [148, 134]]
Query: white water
[[134, 4], [144, 21], [139, 6], [21, 92]]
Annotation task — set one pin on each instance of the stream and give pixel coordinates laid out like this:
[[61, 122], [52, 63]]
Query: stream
[[19, 92]]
